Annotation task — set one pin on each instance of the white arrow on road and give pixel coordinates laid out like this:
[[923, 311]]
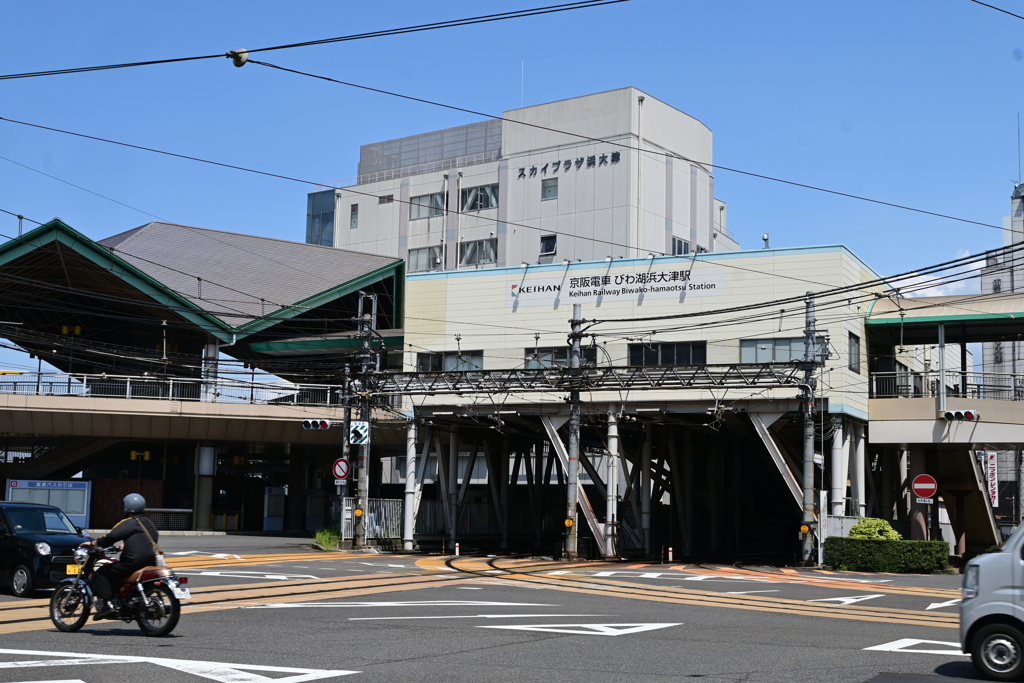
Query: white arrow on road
[[948, 603], [849, 599], [905, 645], [587, 629]]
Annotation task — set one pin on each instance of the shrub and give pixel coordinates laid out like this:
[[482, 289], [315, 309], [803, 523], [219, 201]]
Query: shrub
[[328, 538], [904, 557], [874, 530]]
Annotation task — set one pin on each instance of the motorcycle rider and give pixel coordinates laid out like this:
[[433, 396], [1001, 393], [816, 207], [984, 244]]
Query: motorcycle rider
[[138, 552]]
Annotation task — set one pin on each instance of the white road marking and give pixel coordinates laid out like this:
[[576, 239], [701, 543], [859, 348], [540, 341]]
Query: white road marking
[[480, 616], [749, 592], [849, 599], [411, 603], [948, 603], [468, 588], [215, 671], [587, 629], [560, 572], [249, 575], [219, 556], [904, 645]]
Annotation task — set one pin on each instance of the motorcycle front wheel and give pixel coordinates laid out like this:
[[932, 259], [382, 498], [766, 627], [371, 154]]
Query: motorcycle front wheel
[[69, 608], [160, 614]]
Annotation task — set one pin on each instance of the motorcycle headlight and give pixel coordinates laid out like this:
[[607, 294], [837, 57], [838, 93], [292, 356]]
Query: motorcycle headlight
[[81, 555], [43, 548]]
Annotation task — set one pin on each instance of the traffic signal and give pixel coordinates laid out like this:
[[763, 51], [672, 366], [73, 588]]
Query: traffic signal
[[316, 424], [962, 415]]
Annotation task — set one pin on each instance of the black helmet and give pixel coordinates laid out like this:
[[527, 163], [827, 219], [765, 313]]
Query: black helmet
[[134, 504]]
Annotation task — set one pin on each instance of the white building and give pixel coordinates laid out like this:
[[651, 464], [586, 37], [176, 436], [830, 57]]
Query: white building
[[548, 183]]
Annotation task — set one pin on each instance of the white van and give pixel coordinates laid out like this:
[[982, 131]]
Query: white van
[[992, 611]]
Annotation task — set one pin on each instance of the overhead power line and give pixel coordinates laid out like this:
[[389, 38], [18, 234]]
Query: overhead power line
[[451, 23], [998, 9]]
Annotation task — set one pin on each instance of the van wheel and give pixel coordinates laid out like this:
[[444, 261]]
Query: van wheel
[[997, 651]]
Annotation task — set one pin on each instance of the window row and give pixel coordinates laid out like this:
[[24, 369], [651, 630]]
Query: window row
[[471, 199], [752, 351]]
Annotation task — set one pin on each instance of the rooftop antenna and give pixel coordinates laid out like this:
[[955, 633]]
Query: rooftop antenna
[[522, 89]]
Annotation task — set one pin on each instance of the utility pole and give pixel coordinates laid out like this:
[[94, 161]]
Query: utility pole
[[366, 326], [572, 494], [807, 529], [346, 449]]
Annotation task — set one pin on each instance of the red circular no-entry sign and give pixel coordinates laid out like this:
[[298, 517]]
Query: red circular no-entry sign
[[341, 469], [925, 486]]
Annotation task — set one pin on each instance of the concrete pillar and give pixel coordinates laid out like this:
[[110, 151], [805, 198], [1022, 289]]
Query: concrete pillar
[[838, 489], [645, 486], [858, 471], [503, 457], [903, 483], [687, 472], [611, 479], [932, 468], [888, 485], [715, 474], [453, 484], [206, 468], [295, 504], [411, 486], [918, 511]]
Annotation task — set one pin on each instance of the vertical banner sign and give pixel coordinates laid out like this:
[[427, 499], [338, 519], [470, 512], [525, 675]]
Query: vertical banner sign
[[993, 479]]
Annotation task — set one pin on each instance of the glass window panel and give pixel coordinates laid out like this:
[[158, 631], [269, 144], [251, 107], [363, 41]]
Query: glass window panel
[[468, 253], [668, 354], [488, 251], [699, 353], [548, 244], [549, 188], [19, 495], [589, 355], [76, 502], [59, 497], [315, 200], [765, 350], [782, 350], [748, 351], [650, 354], [636, 354], [353, 216], [309, 203]]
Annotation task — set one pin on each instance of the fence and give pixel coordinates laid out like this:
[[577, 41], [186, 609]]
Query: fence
[[171, 389], [383, 518], [980, 385]]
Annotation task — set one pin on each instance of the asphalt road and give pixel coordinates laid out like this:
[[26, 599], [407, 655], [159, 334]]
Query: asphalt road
[[281, 612]]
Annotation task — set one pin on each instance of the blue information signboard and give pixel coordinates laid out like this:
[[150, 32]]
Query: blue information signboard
[[73, 496]]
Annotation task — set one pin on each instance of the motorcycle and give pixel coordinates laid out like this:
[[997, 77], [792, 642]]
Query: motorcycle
[[151, 596]]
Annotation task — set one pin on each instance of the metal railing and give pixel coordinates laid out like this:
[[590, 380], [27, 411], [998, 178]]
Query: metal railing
[[429, 167], [959, 384], [170, 389]]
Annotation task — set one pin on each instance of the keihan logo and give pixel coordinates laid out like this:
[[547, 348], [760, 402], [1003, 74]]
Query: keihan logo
[[515, 291]]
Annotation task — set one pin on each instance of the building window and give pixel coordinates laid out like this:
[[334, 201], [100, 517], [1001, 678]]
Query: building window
[[855, 353], [421, 260], [320, 218], [680, 247], [386, 199], [548, 244], [558, 357], [478, 252], [668, 353], [426, 206], [353, 216], [997, 285], [549, 188], [480, 198], [450, 361], [778, 350]]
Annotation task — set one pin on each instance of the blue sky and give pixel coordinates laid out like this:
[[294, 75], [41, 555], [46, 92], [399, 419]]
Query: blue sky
[[909, 102]]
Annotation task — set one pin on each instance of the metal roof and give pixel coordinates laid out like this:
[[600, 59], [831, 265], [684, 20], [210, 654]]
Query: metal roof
[[1007, 307], [242, 278]]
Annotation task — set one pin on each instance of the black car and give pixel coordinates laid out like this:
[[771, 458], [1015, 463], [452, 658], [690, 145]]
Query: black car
[[37, 544]]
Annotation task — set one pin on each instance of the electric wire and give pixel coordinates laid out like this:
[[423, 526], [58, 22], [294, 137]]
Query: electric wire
[[452, 23]]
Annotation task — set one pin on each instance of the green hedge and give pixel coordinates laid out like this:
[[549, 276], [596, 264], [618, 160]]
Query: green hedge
[[908, 557]]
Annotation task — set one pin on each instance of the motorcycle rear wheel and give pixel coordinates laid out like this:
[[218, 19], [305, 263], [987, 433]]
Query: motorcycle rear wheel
[[69, 608], [160, 614]]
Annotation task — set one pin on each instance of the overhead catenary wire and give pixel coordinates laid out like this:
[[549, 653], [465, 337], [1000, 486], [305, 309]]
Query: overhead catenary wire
[[451, 23]]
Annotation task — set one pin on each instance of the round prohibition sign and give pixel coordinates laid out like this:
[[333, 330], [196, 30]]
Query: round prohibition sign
[[340, 468], [925, 486]]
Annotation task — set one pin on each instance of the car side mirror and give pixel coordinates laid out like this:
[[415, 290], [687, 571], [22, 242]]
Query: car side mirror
[[78, 530]]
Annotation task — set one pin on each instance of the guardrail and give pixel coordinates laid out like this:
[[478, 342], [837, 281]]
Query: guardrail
[[170, 389], [979, 385]]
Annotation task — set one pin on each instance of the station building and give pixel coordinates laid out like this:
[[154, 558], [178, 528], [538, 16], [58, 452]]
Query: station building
[[522, 189]]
